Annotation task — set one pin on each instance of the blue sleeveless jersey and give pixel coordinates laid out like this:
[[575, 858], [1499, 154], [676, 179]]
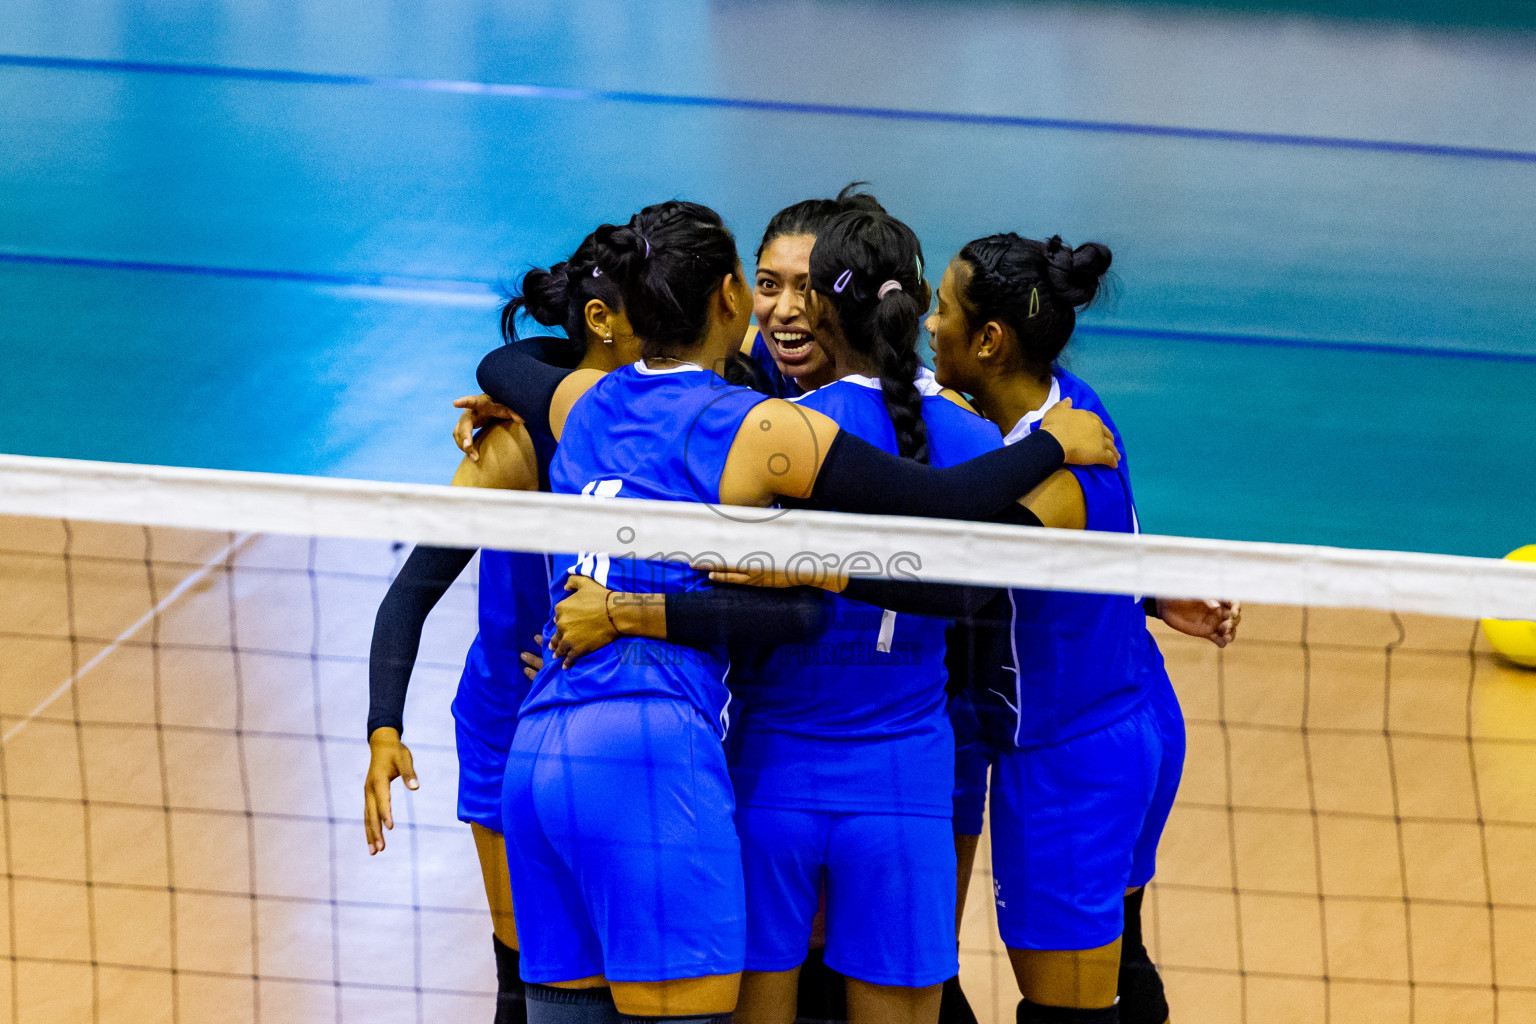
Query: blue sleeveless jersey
[[651, 434], [778, 384], [840, 724], [513, 608], [1076, 662]]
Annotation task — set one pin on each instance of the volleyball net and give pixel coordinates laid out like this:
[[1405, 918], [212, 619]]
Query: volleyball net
[[183, 692]]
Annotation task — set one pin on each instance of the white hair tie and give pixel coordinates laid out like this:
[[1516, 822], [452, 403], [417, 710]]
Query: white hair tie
[[887, 288]]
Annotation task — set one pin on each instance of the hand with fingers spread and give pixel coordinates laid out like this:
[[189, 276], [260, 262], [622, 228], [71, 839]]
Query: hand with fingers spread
[[532, 663], [480, 411], [583, 621], [388, 760], [1081, 434], [1207, 619]]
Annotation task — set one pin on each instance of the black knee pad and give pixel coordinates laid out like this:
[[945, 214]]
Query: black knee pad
[[1034, 1013], [1142, 1000], [548, 1005], [823, 994], [510, 1005], [954, 1008]]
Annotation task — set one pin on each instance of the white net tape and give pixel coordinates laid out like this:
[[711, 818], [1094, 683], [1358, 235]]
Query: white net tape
[[960, 552]]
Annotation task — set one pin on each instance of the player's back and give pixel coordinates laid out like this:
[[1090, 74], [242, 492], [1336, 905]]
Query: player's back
[[650, 434]]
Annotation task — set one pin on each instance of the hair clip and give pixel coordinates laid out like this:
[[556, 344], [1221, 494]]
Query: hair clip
[[597, 271], [1034, 302], [647, 242], [887, 288], [842, 282]]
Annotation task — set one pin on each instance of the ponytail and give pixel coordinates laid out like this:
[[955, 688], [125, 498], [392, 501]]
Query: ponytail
[[558, 297]]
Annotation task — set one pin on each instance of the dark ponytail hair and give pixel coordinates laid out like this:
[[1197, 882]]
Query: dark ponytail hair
[[809, 216], [668, 260], [1033, 287], [558, 297], [855, 258]]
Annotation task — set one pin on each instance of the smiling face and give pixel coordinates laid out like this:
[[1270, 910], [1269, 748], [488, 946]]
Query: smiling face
[[779, 302], [954, 356]]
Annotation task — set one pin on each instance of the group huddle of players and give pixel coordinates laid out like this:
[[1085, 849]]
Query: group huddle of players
[[723, 793]]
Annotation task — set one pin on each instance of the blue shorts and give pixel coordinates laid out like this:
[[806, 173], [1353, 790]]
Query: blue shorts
[[973, 758], [481, 770], [890, 891], [484, 718], [621, 845], [1076, 822]]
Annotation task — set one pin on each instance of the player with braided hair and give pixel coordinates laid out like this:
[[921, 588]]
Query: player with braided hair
[[646, 893]]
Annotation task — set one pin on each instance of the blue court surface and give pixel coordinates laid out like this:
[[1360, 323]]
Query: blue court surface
[[267, 236]]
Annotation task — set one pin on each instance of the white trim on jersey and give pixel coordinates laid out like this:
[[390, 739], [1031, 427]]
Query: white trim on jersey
[[1022, 428], [927, 385], [647, 371]]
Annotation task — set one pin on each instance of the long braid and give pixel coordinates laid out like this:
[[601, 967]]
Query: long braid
[[868, 265], [898, 372]]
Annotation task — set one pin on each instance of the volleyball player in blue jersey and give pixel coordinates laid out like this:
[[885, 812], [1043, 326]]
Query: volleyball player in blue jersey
[[845, 763], [784, 343], [513, 605], [644, 892], [513, 600], [1088, 738]]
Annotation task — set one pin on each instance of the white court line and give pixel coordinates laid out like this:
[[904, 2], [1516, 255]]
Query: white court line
[[169, 599]]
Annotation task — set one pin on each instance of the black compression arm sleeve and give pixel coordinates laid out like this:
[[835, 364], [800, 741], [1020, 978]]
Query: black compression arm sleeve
[[515, 376], [763, 616], [940, 600], [916, 597], [858, 477], [424, 578]]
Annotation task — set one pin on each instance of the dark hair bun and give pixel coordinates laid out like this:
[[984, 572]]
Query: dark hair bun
[[545, 294], [1075, 273]]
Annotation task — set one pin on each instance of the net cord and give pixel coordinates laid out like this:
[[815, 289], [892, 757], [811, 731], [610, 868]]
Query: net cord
[[943, 550]]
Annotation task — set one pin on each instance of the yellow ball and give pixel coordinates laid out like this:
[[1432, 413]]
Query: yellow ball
[[1513, 639]]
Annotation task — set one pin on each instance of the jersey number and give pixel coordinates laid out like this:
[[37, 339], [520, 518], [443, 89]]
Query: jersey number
[[589, 563]]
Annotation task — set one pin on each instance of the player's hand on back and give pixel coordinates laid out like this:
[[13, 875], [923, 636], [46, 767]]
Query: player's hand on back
[[480, 411], [582, 621], [1081, 434], [532, 663], [388, 760], [1207, 619]]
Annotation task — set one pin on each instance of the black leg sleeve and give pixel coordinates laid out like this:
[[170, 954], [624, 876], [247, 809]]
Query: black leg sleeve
[[763, 616], [424, 578], [519, 379], [858, 477]]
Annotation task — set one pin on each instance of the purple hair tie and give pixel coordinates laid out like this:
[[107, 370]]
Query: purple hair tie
[[842, 282], [647, 242]]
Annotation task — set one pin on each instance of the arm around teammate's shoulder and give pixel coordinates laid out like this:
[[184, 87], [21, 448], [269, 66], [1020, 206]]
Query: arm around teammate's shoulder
[[783, 449]]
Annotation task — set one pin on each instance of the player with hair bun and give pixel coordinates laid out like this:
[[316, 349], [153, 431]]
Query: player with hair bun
[[1086, 735], [513, 602], [645, 894]]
